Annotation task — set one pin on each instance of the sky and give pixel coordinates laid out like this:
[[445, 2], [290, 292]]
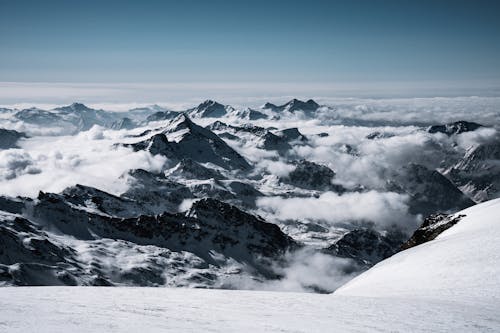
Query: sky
[[252, 42]]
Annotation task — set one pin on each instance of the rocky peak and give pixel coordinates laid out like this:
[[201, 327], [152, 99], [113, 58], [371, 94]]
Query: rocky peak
[[208, 108], [74, 107]]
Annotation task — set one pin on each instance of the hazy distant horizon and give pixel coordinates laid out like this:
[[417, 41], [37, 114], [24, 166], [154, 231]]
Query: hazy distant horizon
[[251, 94]]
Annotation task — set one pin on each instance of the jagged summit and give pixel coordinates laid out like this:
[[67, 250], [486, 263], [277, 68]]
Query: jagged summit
[[182, 138], [209, 109], [78, 107], [249, 114]]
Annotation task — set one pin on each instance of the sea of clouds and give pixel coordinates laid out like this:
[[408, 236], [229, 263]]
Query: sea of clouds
[[47, 161]]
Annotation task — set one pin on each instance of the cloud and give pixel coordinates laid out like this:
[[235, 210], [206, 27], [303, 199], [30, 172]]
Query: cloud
[[15, 163], [53, 163], [305, 270], [382, 208]]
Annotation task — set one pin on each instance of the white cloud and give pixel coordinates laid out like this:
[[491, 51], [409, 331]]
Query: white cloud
[[382, 208], [53, 163]]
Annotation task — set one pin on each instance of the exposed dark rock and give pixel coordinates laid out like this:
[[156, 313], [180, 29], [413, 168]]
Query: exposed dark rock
[[432, 226], [366, 246], [210, 109], [312, 176], [457, 127], [478, 172], [294, 105], [379, 135], [9, 138], [194, 142], [429, 191]]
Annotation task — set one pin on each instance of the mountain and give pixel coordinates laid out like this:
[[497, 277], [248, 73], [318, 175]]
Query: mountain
[[457, 127], [293, 106], [68, 237], [155, 193], [124, 123], [249, 114], [182, 138], [366, 246], [71, 118], [461, 263], [432, 227], [37, 116], [477, 172], [9, 138], [429, 190], [209, 109], [291, 134], [311, 175], [189, 169], [84, 117], [162, 115]]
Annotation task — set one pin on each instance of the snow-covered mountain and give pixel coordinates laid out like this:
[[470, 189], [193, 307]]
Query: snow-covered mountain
[[210, 109], [478, 172], [182, 138]]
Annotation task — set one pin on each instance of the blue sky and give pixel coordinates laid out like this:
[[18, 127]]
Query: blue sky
[[249, 41]]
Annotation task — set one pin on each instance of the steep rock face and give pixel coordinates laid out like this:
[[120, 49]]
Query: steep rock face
[[183, 139], [124, 123], [12, 205], [96, 200], [209, 109], [262, 238], [478, 173], [270, 141], [209, 227], [189, 169], [432, 226], [457, 127], [429, 191], [291, 134], [311, 175], [29, 257], [155, 193], [9, 138], [366, 246], [32, 256]]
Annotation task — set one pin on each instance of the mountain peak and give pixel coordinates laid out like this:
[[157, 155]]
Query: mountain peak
[[294, 105], [209, 108], [74, 107]]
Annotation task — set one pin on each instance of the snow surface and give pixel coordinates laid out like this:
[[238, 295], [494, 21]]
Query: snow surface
[[102, 309], [463, 263]]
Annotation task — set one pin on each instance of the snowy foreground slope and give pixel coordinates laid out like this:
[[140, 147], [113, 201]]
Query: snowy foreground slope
[[450, 284], [462, 262], [106, 309]]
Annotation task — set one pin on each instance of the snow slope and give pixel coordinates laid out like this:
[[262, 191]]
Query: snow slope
[[463, 262], [102, 309]]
